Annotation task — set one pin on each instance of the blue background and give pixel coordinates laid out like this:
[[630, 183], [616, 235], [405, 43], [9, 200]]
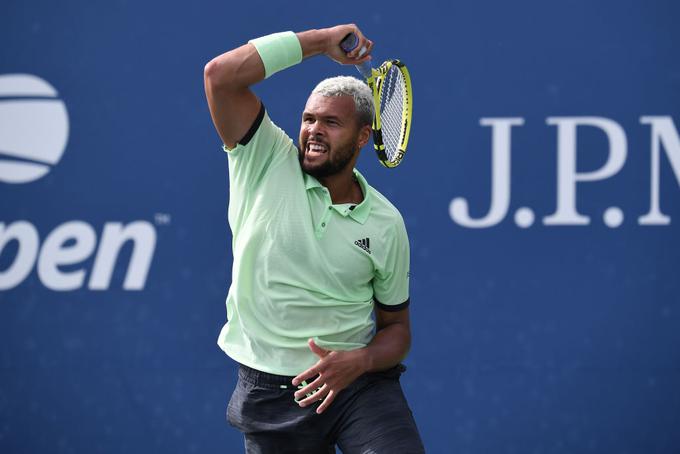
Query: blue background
[[550, 339]]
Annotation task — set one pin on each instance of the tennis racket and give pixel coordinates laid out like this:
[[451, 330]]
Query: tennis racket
[[393, 101]]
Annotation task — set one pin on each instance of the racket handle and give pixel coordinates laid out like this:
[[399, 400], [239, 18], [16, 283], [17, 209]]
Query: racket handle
[[365, 69], [348, 44]]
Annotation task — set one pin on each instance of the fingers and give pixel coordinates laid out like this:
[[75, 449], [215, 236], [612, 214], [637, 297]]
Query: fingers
[[353, 29], [315, 369], [362, 53], [318, 351], [359, 54], [326, 402], [366, 55], [309, 373], [362, 50], [316, 384], [324, 394], [318, 395]]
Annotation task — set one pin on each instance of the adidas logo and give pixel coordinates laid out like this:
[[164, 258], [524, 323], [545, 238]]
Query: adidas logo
[[364, 244]]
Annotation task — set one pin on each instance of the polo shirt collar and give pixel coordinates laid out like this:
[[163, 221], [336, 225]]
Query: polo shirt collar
[[311, 182], [360, 212]]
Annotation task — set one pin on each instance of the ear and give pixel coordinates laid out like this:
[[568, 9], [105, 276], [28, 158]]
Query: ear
[[364, 135]]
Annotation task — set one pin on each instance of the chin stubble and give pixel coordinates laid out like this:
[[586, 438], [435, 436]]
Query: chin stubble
[[329, 167]]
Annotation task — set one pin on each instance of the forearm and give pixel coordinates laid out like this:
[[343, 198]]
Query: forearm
[[313, 42], [389, 346], [242, 67], [236, 70]]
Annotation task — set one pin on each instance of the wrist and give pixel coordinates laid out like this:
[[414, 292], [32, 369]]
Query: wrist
[[365, 360], [278, 51], [314, 42]]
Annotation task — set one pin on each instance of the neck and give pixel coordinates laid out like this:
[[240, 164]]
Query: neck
[[343, 187]]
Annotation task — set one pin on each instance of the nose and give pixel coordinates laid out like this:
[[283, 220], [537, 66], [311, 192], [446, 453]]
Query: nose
[[314, 128]]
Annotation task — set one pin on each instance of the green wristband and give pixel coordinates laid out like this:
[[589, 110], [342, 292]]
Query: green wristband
[[278, 51]]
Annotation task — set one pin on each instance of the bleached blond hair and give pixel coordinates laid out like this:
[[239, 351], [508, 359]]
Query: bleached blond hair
[[350, 86]]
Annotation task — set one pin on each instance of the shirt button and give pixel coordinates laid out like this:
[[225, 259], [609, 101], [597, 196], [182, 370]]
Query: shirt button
[[323, 224], [330, 208]]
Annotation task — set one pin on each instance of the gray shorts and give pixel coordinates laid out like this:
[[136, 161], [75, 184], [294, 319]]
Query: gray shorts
[[371, 416]]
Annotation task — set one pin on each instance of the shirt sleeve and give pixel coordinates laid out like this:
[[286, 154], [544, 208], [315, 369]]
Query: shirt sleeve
[[264, 147], [257, 152], [391, 283]]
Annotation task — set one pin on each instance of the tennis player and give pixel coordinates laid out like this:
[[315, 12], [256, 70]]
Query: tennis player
[[317, 251]]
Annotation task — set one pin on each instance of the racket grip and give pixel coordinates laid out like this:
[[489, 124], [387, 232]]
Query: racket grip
[[348, 44]]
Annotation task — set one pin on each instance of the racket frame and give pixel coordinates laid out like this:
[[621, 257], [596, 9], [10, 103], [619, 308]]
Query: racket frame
[[376, 83], [375, 79]]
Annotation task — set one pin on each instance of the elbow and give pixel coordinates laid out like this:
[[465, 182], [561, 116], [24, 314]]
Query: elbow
[[406, 339], [219, 74], [212, 73], [231, 71], [407, 343]]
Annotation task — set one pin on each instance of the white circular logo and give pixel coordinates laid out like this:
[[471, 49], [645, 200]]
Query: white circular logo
[[33, 128]]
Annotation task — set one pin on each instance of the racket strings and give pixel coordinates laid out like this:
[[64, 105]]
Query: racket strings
[[392, 110]]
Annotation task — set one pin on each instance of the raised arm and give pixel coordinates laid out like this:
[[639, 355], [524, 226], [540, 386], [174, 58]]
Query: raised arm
[[228, 77]]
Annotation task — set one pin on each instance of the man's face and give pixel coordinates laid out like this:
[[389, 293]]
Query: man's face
[[330, 135]]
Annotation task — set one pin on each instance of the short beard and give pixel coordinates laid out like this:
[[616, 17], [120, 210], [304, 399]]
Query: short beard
[[331, 166]]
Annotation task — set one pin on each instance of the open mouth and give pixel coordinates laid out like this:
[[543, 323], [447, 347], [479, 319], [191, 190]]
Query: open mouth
[[316, 148]]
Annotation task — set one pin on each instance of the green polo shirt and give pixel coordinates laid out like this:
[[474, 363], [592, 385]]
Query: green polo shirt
[[304, 267]]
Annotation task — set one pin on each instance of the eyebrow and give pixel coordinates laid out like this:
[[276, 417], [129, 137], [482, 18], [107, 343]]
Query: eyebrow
[[324, 117]]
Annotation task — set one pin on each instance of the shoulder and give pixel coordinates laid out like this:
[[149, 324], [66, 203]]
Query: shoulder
[[383, 207], [263, 133]]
